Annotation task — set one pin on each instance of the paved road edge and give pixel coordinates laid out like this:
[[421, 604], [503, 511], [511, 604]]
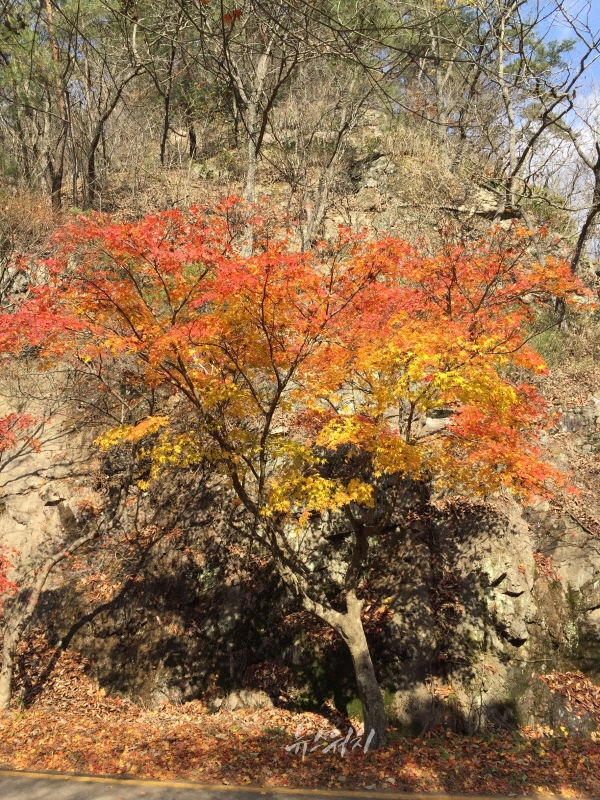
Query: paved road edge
[[271, 790]]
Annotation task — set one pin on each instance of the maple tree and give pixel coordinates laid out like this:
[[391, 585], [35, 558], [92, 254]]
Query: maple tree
[[314, 380], [18, 435]]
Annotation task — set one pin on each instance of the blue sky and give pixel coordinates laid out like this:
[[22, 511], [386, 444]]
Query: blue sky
[[586, 12]]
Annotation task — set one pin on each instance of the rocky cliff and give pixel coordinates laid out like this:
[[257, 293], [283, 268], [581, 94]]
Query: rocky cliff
[[467, 604]]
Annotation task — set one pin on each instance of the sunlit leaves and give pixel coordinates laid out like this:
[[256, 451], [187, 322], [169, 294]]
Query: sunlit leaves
[[279, 361], [17, 429], [132, 433]]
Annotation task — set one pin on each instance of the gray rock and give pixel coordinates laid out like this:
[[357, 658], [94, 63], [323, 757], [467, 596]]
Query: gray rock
[[245, 699]]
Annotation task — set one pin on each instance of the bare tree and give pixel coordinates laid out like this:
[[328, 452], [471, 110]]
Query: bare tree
[[498, 84], [78, 531]]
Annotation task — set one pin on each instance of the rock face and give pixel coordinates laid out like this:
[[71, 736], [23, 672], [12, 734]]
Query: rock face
[[477, 598], [42, 494], [244, 699], [517, 594]]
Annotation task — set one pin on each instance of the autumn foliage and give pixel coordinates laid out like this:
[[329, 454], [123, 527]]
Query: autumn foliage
[[17, 430], [281, 357], [317, 382]]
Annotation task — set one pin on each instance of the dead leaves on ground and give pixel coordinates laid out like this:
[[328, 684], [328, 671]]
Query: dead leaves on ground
[[248, 747], [71, 725], [580, 694]]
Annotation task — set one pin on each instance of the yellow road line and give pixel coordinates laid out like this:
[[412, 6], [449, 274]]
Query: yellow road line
[[269, 790]]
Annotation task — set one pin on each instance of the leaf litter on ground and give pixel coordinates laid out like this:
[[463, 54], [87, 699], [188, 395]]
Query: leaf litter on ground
[[69, 724]]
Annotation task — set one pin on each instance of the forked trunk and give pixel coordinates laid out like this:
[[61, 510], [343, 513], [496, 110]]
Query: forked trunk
[[23, 610], [25, 604]]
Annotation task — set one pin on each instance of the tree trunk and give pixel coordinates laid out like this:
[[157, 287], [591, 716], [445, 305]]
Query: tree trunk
[[167, 105], [11, 640], [593, 212], [74, 180], [349, 625], [23, 610], [352, 632], [56, 184], [165, 130], [91, 189], [249, 192], [193, 142], [57, 172]]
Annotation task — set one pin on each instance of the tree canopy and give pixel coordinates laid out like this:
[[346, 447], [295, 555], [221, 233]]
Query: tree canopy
[[317, 382]]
